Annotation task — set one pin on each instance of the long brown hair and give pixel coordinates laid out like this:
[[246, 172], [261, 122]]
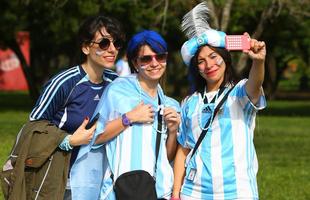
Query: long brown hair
[[199, 81]]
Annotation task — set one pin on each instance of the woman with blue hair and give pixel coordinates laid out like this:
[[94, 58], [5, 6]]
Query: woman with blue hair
[[131, 138]]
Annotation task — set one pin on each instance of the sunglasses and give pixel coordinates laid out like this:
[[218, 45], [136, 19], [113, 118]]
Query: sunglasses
[[105, 43], [147, 59]]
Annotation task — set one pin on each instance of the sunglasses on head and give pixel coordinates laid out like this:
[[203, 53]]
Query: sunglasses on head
[[147, 59], [105, 43]]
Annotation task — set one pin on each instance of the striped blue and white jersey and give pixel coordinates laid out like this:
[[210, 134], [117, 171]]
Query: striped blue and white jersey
[[225, 164], [134, 148]]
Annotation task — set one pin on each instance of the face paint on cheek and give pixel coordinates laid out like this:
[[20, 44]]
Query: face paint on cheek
[[99, 53], [219, 61], [143, 66]]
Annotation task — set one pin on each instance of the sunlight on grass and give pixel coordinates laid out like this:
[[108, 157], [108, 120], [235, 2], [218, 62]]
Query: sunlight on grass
[[281, 138], [10, 123], [282, 145]]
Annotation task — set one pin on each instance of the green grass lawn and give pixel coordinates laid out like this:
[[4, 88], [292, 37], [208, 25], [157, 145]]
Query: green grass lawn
[[282, 144]]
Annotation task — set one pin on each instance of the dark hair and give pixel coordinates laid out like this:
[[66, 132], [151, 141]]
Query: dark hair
[[199, 81], [146, 37], [93, 24]]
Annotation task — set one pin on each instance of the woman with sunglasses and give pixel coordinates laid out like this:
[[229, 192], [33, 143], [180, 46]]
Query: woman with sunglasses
[[129, 136], [70, 98]]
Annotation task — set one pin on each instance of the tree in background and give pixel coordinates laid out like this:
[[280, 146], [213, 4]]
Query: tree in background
[[283, 24]]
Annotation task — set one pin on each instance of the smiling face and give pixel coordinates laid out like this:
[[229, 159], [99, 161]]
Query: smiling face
[[150, 66], [104, 58], [211, 67]]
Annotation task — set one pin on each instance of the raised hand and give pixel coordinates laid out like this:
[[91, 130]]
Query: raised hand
[[257, 50], [257, 53], [82, 135]]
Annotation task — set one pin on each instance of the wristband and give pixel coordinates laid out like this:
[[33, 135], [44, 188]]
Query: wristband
[[175, 198], [125, 120], [65, 144]]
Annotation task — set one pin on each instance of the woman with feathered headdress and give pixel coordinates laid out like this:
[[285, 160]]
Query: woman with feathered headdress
[[223, 163]]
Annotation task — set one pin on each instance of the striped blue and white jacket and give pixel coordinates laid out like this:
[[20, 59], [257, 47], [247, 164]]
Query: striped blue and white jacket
[[133, 149]]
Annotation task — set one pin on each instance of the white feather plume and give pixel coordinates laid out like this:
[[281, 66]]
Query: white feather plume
[[195, 21]]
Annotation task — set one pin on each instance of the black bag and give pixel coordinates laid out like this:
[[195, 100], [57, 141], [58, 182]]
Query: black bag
[[139, 184], [135, 185]]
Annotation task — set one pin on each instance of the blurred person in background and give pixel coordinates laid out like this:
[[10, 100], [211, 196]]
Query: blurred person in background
[[122, 67]]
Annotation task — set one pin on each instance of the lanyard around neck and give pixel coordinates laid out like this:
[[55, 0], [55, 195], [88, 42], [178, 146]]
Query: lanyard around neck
[[205, 99]]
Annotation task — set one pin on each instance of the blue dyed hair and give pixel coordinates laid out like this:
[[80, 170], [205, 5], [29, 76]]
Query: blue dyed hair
[[146, 37]]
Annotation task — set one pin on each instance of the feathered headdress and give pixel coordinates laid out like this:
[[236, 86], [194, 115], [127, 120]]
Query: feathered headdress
[[195, 22], [196, 27]]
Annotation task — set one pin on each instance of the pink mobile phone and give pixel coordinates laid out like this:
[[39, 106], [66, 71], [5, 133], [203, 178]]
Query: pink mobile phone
[[237, 42]]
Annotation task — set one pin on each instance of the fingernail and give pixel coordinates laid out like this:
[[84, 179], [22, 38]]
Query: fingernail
[[87, 118]]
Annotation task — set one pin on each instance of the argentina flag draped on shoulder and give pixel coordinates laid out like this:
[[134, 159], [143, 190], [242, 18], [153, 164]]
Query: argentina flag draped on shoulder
[[134, 148]]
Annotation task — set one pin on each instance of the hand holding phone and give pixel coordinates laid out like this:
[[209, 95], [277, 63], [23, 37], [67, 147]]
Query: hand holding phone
[[237, 43], [92, 121]]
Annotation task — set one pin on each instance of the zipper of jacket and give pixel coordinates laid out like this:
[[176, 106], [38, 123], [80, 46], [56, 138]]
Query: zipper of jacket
[[45, 175]]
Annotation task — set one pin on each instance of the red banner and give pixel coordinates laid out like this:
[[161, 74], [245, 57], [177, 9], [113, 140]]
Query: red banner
[[11, 73]]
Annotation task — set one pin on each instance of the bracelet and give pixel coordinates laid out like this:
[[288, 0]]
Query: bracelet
[[65, 144], [175, 198]]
